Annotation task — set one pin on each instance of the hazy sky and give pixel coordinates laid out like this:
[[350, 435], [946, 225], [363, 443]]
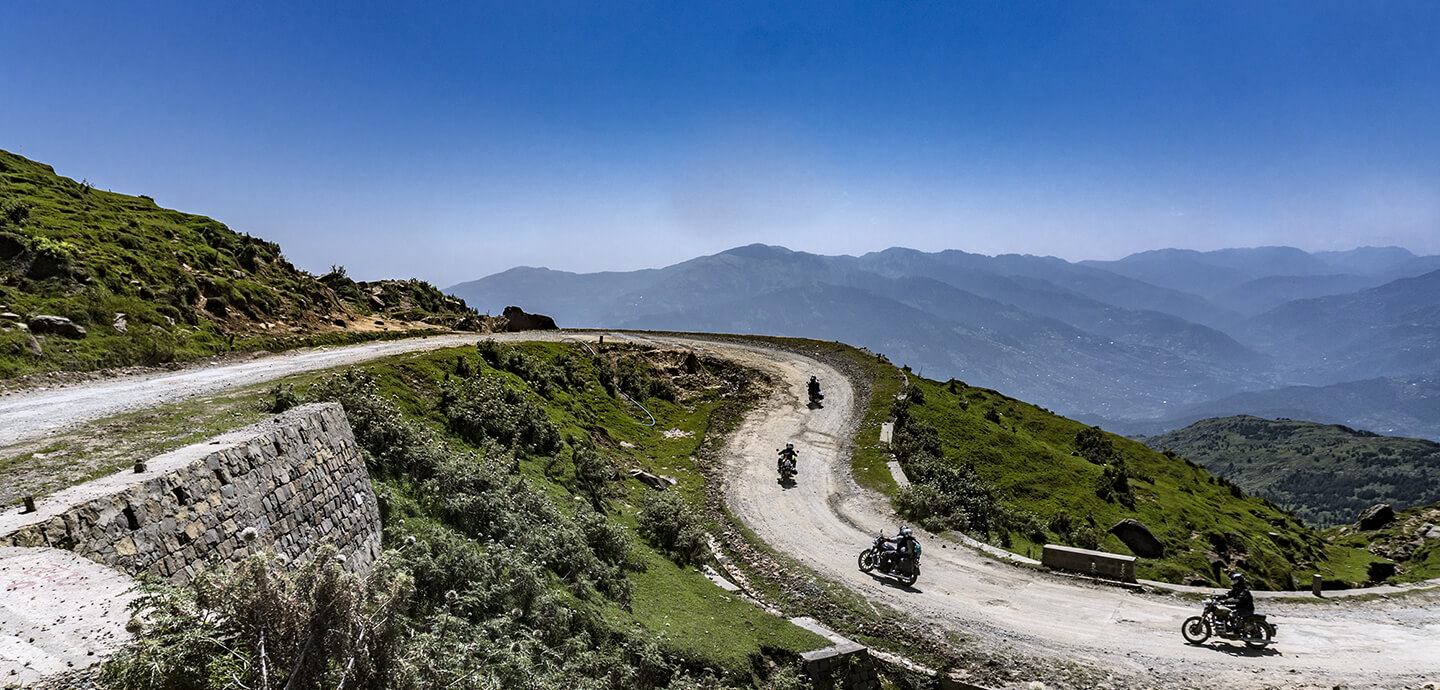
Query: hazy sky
[[448, 140]]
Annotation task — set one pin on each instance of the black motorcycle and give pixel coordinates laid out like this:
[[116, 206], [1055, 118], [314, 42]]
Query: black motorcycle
[[815, 397], [882, 555], [1253, 630], [786, 466]]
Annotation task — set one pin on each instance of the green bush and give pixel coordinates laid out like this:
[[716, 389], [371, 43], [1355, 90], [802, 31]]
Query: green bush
[[319, 626], [282, 398], [484, 410], [670, 524], [14, 212]]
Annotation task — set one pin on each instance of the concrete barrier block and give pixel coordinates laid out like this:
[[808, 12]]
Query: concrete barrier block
[[1088, 562]]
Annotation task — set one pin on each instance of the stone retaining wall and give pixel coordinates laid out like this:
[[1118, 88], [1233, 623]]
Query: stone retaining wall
[[298, 480]]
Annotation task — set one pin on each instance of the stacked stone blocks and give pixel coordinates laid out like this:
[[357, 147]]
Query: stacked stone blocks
[[847, 666], [299, 481]]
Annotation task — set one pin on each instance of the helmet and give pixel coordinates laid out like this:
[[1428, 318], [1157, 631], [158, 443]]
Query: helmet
[[789, 445], [1237, 578], [904, 531], [812, 377]]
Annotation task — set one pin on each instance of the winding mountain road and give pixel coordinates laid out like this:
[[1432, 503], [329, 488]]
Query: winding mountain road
[[825, 519]]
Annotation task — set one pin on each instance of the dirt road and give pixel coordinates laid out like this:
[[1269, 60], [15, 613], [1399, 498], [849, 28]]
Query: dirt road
[[36, 413], [826, 519]]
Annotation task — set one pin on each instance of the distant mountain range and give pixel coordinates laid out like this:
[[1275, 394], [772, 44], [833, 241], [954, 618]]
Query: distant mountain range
[[1141, 345]]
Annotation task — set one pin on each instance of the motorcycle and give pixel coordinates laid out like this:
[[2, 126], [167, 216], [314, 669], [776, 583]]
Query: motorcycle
[[1253, 630], [786, 467], [815, 397], [882, 555]]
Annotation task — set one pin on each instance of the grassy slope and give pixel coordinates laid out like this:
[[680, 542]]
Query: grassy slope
[[1326, 473], [687, 615], [1029, 455], [677, 605], [188, 286]]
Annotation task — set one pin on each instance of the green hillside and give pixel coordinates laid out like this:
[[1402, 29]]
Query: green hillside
[[1327, 474], [141, 284], [1020, 476], [518, 550]]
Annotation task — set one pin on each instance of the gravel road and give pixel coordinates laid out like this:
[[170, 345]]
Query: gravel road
[[826, 519]]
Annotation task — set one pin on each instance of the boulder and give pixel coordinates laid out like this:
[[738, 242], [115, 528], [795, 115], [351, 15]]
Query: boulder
[[56, 324], [27, 344], [1376, 516], [120, 323], [1138, 537], [517, 320], [658, 482]]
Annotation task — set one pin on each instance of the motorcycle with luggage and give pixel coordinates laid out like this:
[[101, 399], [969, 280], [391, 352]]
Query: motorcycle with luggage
[[883, 556]]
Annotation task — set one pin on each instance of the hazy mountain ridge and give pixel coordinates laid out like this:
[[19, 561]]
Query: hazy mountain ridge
[[1091, 339]]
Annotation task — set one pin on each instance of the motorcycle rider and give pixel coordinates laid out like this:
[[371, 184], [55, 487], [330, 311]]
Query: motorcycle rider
[[787, 454], [814, 387], [1238, 599], [906, 546]]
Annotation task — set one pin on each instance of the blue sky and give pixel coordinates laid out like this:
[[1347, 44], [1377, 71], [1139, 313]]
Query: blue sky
[[448, 140]]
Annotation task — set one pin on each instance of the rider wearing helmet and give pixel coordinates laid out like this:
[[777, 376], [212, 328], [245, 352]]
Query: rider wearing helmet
[[905, 543], [814, 386], [788, 453], [1239, 597]]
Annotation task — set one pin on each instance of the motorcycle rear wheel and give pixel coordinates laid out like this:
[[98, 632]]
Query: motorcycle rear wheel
[[1258, 634], [867, 560], [1195, 630], [909, 578]]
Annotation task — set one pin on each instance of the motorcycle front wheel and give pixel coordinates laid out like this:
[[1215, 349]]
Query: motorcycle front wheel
[[1257, 634], [1195, 630], [867, 560]]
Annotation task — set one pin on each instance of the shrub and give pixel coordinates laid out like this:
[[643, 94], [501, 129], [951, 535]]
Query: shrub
[[484, 410], [948, 495], [14, 212], [1084, 537], [310, 628], [592, 472], [60, 252], [914, 439], [282, 398], [916, 395], [605, 374], [392, 445], [1114, 484], [1094, 445], [670, 524]]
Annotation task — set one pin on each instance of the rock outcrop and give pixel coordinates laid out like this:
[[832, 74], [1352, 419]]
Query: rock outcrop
[[59, 325], [1138, 538], [1376, 516], [517, 320]]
